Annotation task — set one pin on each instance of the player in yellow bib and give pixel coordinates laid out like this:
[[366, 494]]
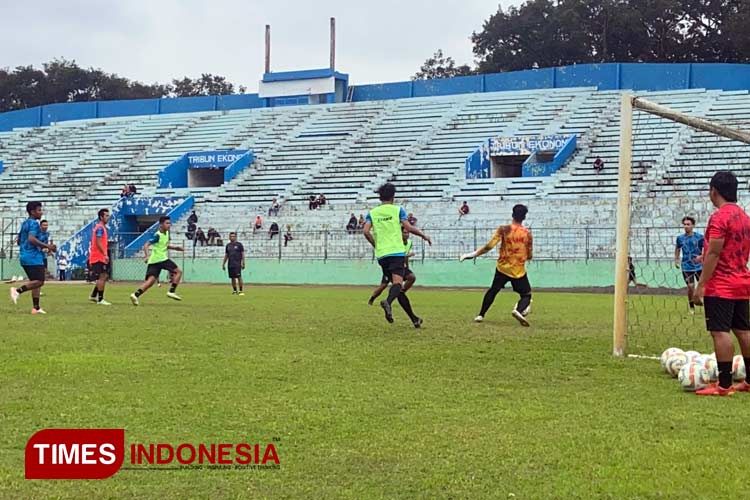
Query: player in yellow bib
[[409, 276], [383, 226], [158, 260]]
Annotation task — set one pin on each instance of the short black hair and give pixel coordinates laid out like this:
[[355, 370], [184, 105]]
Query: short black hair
[[519, 213], [164, 218], [687, 217], [43, 221], [32, 205], [387, 192], [725, 183], [232, 233], [101, 213]]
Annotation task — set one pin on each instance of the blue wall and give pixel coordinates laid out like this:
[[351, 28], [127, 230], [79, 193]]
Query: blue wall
[[610, 76]]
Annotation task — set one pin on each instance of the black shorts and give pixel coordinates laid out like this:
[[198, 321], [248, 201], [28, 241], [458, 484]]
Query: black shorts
[[97, 269], [35, 273], [156, 269], [723, 315], [520, 285], [689, 276], [393, 265], [387, 279], [235, 271]]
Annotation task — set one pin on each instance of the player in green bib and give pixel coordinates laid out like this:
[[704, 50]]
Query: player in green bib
[[383, 229], [158, 260]]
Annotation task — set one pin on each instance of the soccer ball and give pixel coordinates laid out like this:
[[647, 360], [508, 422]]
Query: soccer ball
[[675, 362], [711, 369], [693, 356], [692, 377], [666, 355], [738, 368]]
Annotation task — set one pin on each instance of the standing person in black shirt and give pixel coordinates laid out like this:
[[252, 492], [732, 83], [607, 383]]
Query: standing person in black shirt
[[235, 254]]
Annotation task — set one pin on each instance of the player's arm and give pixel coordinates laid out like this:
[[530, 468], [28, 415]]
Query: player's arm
[[715, 246], [413, 230], [242, 257], [146, 251], [530, 247], [35, 239], [487, 247], [677, 255], [224, 261], [367, 231], [699, 258], [175, 248]]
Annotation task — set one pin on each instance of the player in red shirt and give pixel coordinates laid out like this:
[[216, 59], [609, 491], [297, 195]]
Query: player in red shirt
[[724, 286], [99, 258]]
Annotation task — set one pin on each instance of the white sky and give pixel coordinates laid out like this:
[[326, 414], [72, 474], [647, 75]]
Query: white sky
[[157, 40]]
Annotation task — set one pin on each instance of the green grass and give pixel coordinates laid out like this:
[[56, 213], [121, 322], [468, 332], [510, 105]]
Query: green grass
[[363, 409]]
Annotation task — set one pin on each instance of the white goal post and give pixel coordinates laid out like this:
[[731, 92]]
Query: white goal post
[[629, 103]]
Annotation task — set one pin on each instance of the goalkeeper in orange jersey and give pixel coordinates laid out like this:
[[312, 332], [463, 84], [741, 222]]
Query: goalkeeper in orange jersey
[[515, 250]]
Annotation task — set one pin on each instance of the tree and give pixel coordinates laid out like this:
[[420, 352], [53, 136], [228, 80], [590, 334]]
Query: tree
[[207, 84], [440, 66]]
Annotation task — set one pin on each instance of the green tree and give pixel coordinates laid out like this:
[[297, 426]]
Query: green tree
[[207, 84], [440, 66]]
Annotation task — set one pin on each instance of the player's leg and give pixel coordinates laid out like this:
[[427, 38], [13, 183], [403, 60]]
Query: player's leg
[[241, 283], [719, 317], [234, 286], [741, 329], [689, 281], [404, 301], [394, 267], [498, 283], [376, 293], [175, 275], [101, 283], [36, 277], [152, 275], [522, 308], [409, 280]]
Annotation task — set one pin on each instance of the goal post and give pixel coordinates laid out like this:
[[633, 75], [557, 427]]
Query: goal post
[[631, 104]]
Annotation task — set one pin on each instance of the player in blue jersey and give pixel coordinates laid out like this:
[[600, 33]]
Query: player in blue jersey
[[688, 257], [32, 256]]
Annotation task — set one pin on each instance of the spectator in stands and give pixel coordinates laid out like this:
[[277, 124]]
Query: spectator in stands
[[133, 190], [200, 237], [273, 210], [288, 235], [351, 226], [273, 230], [193, 219], [412, 220], [463, 210], [213, 236], [361, 222], [62, 266], [125, 191], [321, 200], [258, 224], [598, 165], [313, 203]]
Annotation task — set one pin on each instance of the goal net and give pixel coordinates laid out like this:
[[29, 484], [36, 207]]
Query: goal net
[[670, 146]]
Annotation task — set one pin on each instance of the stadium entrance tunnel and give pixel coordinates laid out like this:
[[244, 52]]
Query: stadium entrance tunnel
[[205, 177], [201, 169], [508, 166]]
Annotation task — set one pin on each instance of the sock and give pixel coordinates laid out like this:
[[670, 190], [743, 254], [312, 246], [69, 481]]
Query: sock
[[393, 293], [234, 288], [35, 300], [725, 374], [692, 305], [22, 289], [101, 295], [405, 304], [173, 288], [523, 304], [747, 364], [138, 292], [241, 288], [94, 291]]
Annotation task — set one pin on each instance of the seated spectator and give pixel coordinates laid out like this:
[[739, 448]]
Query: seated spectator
[[213, 236], [273, 210], [598, 165], [412, 220], [193, 219], [288, 235], [351, 226], [313, 203], [273, 230], [200, 237], [321, 200], [258, 224], [463, 210], [361, 222]]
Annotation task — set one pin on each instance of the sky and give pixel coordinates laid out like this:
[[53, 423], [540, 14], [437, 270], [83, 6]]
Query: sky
[[158, 40]]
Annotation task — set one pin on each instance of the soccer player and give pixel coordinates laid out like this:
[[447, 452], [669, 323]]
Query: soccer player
[[99, 258], [235, 254], [44, 238], [409, 276], [32, 257], [383, 231], [724, 285], [157, 258], [515, 250], [690, 245]]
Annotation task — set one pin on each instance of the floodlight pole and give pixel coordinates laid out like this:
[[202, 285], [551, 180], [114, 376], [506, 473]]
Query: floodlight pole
[[268, 48]]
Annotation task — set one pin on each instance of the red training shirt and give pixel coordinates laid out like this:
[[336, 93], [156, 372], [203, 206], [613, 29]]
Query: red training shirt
[[95, 255], [731, 279]]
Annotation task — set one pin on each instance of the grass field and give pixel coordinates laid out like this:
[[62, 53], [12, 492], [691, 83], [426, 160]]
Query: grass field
[[363, 409]]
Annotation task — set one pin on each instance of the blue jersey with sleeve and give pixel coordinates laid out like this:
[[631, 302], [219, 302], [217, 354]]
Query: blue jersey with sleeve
[[31, 255], [691, 247]]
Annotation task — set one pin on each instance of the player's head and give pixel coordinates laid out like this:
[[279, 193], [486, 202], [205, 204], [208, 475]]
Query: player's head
[[34, 209], [387, 192], [103, 215], [44, 225], [519, 213], [232, 236], [165, 223], [723, 188], [688, 224]]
